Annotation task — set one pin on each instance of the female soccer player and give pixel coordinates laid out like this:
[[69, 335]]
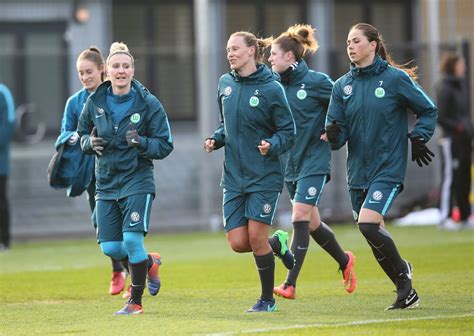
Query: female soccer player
[[368, 111], [126, 127], [90, 66], [307, 164], [256, 127]]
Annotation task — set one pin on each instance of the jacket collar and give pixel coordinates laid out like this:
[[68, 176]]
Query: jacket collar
[[262, 75], [377, 66], [295, 72]]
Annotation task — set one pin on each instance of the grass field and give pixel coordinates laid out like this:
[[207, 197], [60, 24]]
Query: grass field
[[60, 287]]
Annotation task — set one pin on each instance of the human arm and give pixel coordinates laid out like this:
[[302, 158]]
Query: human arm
[[336, 123]]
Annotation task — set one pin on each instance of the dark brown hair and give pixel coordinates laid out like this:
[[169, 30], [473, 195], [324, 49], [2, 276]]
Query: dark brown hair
[[252, 41], [448, 64], [372, 34], [298, 39], [93, 55]]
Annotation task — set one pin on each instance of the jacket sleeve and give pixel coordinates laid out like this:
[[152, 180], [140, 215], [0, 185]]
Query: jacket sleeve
[[284, 137], [443, 97], [324, 89], [219, 133], [422, 105], [158, 142], [70, 117], [84, 128], [7, 115], [336, 112]]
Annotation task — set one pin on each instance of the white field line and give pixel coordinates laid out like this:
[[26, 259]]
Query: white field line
[[332, 325]]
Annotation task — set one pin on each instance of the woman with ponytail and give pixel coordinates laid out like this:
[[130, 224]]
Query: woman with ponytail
[[369, 111], [307, 163], [126, 128], [256, 128]]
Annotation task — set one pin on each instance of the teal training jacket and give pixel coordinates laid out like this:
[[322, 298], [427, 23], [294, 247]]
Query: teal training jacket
[[252, 109], [370, 105], [122, 171], [308, 93]]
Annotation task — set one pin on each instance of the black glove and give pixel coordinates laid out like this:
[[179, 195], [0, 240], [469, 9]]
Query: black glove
[[97, 144], [333, 131], [419, 152], [133, 139]]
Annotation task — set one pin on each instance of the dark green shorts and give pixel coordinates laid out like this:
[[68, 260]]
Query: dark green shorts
[[307, 190], [379, 197], [127, 214], [238, 208]]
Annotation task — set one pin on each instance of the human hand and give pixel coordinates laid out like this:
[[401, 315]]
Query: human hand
[[264, 147], [419, 152], [209, 144], [97, 143], [333, 131], [73, 139], [133, 139]]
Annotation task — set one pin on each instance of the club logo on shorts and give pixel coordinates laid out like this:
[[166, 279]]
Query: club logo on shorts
[[267, 208], [301, 94], [355, 215], [135, 118], [312, 191], [377, 195], [347, 89], [135, 216], [227, 91], [379, 92], [254, 101]]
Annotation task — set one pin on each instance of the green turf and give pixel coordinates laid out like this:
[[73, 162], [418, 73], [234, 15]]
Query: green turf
[[60, 287]]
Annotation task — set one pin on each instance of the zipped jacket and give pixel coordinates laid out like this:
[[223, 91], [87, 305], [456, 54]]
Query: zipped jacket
[[121, 170], [370, 106], [308, 93], [252, 109], [7, 128]]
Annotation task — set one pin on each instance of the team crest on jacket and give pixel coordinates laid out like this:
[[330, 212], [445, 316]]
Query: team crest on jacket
[[99, 110], [135, 118], [379, 92], [254, 101], [267, 208], [301, 94], [377, 195], [227, 91], [347, 89], [135, 216]]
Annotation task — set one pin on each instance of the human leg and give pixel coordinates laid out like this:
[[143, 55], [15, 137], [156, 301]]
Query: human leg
[[4, 214]]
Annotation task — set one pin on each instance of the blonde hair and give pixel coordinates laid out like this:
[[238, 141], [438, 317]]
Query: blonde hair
[[119, 48], [252, 41], [298, 39]]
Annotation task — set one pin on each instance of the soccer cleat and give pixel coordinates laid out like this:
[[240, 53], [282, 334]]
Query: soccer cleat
[[117, 284], [263, 305], [406, 295], [349, 276], [130, 308], [285, 291], [128, 292], [284, 254], [154, 282], [411, 301]]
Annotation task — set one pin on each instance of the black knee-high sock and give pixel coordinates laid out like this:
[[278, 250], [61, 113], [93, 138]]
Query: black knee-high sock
[[124, 263], [266, 271], [138, 273], [325, 238], [381, 240], [299, 247], [384, 263], [116, 265]]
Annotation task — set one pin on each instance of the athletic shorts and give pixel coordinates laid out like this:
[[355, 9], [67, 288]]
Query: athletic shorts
[[379, 197], [131, 214], [307, 190], [239, 207]]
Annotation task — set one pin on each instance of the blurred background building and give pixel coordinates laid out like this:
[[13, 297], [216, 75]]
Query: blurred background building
[[179, 46]]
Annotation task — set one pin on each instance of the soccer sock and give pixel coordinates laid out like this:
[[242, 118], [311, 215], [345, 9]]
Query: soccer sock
[[384, 263], [325, 238], [116, 265], [274, 244], [150, 262], [299, 247], [381, 240], [138, 273], [266, 271], [124, 263]]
